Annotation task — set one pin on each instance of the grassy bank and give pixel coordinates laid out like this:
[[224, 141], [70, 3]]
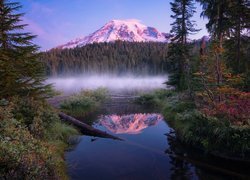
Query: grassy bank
[[32, 140], [84, 102], [211, 134]]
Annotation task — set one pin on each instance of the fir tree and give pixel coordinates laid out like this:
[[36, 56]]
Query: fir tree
[[239, 15], [20, 71], [179, 51]]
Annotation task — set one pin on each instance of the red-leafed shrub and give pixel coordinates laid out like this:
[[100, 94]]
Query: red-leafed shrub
[[235, 108]]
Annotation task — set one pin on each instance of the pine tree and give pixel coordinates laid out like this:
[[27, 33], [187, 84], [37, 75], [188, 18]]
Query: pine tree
[[20, 71], [183, 25], [239, 15], [179, 51], [218, 21]]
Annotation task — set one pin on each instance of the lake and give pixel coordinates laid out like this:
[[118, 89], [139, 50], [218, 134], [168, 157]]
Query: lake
[[149, 149]]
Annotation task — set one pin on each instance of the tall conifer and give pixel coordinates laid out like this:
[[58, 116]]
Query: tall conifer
[[179, 52], [21, 73]]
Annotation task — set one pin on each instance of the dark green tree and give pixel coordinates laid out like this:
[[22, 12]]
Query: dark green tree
[[183, 25], [179, 49], [218, 21], [239, 15], [228, 22], [21, 73]]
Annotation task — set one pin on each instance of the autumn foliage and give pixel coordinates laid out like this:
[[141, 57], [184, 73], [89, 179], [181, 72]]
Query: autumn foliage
[[219, 94]]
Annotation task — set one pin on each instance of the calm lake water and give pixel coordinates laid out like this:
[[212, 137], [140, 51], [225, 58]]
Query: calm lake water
[[149, 150], [141, 154]]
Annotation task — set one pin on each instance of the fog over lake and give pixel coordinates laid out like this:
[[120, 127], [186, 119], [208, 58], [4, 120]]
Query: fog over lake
[[113, 83]]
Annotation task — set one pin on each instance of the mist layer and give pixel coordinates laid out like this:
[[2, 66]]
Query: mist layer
[[112, 83]]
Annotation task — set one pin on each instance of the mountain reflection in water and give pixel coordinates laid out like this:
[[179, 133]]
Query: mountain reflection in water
[[129, 124]]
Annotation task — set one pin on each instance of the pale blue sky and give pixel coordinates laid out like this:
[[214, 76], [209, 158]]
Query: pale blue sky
[[59, 21]]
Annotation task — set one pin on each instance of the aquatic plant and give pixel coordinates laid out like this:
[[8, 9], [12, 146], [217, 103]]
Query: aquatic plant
[[84, 102]]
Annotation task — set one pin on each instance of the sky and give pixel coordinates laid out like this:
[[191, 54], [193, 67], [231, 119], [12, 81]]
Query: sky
[[56, 22]]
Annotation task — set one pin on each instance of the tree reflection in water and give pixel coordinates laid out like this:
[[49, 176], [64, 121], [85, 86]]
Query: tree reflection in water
[[180, 169], [190, 163]]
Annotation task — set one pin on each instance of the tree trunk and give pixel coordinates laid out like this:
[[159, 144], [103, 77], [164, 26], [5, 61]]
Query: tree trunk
[[238, 44], [89, 130]]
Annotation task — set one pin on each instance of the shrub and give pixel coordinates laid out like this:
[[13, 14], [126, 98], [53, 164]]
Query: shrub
[[147, 100], [29, 150], [99, 95], [208, 133], [155, 99], [236, 109], [78, 105], [84, 102]]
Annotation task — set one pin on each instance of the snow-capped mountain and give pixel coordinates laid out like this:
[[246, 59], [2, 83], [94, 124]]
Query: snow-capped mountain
[[125, 30], [129, 124]]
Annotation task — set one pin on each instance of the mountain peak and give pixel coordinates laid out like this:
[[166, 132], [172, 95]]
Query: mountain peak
[[126, 20], [131, 30]]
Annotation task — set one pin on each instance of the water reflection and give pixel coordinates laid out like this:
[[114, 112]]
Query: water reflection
[[180, 168], [141, 155], [187, 163], [129, 124]]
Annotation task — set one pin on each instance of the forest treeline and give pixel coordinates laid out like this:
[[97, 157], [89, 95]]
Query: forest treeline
[[119, 57], [116, 58]]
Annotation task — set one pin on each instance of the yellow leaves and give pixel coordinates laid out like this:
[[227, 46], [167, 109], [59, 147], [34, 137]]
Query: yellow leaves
[[233, 79], [199, 73], [226, 90], [217, 49], [244, 95]]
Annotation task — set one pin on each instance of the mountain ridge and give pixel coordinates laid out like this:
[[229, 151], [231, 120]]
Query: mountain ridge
[[130, 30]]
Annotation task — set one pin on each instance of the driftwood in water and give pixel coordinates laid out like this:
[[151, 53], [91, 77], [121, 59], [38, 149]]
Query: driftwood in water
[[86, 128]]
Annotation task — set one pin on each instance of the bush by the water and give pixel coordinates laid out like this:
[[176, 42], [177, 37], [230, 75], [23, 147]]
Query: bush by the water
[[208, 133], [155, 99], [84, 102], [32, 141]]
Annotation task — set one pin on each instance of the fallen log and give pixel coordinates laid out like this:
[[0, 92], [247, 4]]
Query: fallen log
[[87, 129]]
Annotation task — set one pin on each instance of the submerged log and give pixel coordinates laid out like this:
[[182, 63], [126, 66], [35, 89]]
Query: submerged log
[[87, 129]]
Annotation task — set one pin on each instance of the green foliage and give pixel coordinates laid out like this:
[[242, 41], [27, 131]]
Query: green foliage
[[154, 99], [177, 58], [29, 148], [84, 102], [115, 58], [225, 17], [183, 25], [147, 100], [98, 95], [208, 133], [21, 73], [237, 58], [78, 106], [32, 151], [215, 12], [179, 51], [60, 132]]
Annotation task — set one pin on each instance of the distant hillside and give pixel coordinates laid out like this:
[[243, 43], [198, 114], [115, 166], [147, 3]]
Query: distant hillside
[[118, 58]]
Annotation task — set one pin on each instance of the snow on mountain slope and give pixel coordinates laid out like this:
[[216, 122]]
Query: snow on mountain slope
[[125, 30]]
